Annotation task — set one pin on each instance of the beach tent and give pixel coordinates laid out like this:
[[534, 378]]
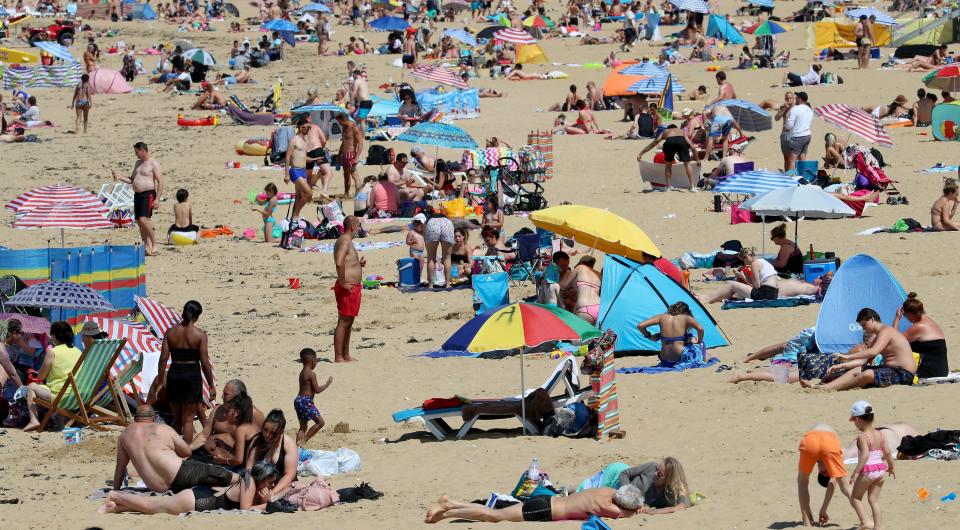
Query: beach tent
[[719, 28], [632, 292], [860, 282], [383, 108], [530, 54], [839, 33], [454, 104], [108, 82], [946, 121], [137, 11]]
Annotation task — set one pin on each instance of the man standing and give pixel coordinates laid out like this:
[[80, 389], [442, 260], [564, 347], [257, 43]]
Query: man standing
[[147, 182], [796, 131], [295, 171], [347, 290], [725, 90], [157, 452], [351, 145], [318, 158], [676, 147]]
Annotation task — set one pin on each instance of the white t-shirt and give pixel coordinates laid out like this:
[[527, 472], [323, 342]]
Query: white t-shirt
[[810, 78], [798, 121], [629, 19], [32, 114], [766, 269]]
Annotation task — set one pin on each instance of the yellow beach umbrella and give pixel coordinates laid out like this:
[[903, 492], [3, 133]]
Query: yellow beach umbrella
[[594, 227]]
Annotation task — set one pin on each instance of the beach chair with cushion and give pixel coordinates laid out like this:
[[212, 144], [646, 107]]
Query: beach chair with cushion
[[565, 376], [78, 398]]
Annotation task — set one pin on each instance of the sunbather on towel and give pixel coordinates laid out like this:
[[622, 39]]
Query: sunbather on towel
[[674, 333], [517, 74], [757, 280], [663, 483], [602, 502]]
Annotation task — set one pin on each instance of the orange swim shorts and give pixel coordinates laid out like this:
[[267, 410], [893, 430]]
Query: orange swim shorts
[[822, 446]]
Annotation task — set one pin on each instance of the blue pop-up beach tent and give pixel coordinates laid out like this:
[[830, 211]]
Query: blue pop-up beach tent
[[860, 282], [633, 292], [719, 28]]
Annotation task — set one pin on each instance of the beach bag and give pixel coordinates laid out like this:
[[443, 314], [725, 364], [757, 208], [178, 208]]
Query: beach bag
[[527, 489], [738, 215], [314, 496], [378, 155]]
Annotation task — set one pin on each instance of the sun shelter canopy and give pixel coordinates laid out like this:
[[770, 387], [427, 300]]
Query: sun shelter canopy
[[632, 292], [696, 6], [108, 82], [860, 282], [719, 28], [839, 33]]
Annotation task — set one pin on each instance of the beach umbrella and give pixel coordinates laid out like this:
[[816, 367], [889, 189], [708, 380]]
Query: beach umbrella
[[538, 21], [946, 78], [618, 83], [316, 8], [183, 44], [796, 201], [139, 340], [232, 9], [519, 326], [62, 295], [755, 182], [646, 69], [882, 17], [487, 32], [439, 74], [749, 115], [72, 215], [461, 36], [279, 24], [438, 134], [515, 36], [654, 85], [455, 5], [199, 56], [855, 120], [767, 28], [31, 324], [56, 50], [389, 24], [697, 6], [597, 228], [500, 18], [46, 195], [160, 317]]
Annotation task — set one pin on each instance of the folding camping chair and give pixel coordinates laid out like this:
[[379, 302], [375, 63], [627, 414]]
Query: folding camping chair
[[9, 286], [80, 393], [528, 259]]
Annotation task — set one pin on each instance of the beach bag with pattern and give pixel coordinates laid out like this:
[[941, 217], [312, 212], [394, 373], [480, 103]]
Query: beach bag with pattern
[[314, 496], [593, 361]]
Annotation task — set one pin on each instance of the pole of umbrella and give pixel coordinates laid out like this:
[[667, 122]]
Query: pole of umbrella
[[523, 400]]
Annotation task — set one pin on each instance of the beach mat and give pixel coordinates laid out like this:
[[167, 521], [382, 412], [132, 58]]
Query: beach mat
[[693, 357], [327, 248], [793, 301]]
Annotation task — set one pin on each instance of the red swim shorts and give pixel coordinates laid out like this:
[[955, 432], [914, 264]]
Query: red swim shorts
[[348, 300], [348, 159]]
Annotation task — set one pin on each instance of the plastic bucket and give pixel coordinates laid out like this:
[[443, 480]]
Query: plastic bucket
[[408, 270], [781, 373]]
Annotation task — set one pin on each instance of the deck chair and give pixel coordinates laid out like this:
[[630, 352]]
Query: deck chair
[[565, 375], [529, 258], [10, 285], [119, 197], [271, 103], [127, 376], [79, 395]]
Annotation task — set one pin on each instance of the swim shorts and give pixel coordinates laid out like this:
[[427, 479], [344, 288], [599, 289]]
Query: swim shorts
[[348, 159], [720, 126], [538, 509], [193, 473], [305, 408], [439, 229], [143, 203], [764, 292], [348, 300], [322, 157], [822, 446], [676, 148], [297, 173], [407, 58], [884, 376], [798, 144]]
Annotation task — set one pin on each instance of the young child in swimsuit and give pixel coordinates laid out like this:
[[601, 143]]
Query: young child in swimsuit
[[303, 403], [873, 464], [183, 214], [416, 243], [267, 212]]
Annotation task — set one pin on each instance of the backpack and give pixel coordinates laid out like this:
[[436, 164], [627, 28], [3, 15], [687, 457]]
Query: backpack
[[378, 155], [279, 141], [645, 127], [879, 156], [314, 496]]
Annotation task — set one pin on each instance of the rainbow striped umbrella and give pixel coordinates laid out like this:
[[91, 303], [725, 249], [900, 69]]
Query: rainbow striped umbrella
[[767, 28], [537, 21], [518, 326]]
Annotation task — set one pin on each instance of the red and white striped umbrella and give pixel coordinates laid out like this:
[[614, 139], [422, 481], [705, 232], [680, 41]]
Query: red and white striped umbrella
[[516, 36], [440, 75], [139, 342], [74, 215], [49, 195], [856, 121]]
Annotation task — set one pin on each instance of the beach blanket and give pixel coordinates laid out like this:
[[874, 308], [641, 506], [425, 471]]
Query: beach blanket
[[694, 356], [361, 246], [792, 301], [940, 168], [484, 157], [406, 289]]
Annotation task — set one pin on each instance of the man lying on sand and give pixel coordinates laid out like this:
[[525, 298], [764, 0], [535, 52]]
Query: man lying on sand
[[602, 502]]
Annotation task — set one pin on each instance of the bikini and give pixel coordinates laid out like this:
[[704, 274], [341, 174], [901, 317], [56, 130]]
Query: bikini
[[876, 465], [592, 310]]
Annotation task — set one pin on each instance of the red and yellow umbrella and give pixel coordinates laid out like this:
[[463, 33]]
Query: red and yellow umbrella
[[946, 78], [537, 21]]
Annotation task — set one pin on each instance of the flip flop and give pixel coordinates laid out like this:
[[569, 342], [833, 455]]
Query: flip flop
[[723, 367]]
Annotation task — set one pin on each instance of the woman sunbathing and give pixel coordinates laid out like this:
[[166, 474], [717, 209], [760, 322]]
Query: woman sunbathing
[[517, 74], [758, 280], [674, 335]]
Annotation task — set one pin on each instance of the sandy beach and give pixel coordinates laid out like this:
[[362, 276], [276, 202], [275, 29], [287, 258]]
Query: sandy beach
[[738, 443]]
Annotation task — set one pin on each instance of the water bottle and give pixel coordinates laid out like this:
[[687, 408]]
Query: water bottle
[[534, 472]]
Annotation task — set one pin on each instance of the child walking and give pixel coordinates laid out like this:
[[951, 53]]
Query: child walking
[[303, 403], [269, 221], [874, 463]]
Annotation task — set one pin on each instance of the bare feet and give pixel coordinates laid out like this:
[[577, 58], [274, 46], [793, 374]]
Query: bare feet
[[32, 426], [436, 511], [806, 384], [735, 378], [347, 359], [107, 507]]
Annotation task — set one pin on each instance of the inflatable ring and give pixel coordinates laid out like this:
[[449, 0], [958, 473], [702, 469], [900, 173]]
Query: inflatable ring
[[184, 238], [253, 147], [199, 122]]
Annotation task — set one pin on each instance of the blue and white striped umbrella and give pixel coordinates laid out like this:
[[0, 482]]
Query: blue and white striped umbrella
[[649, 69], [56, 50], [316, 8], [697, 6], [882, 18], [761, 3], [749, 115], [654, 85], [438, 134], [755, 182], [61, 295]]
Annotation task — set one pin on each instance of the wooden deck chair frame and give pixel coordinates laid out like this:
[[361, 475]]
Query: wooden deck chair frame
[[88, 405], [106, 397]]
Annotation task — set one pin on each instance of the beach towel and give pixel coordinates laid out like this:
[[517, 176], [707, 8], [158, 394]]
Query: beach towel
[[443, 354], [327, 248], [792, 301], [694, 356], [406, 289], [940, 168]]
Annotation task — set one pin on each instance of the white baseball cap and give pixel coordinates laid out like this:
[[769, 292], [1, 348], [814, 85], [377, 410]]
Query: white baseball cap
[[420, 218], [860, 408]]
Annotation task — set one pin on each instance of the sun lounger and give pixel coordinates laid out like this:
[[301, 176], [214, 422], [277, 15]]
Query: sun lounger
[[565, 374], [80, 393]]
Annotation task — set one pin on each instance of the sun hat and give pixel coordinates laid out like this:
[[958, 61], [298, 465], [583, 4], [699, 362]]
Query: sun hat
[[420, 218], [90, 329], [860, 408]]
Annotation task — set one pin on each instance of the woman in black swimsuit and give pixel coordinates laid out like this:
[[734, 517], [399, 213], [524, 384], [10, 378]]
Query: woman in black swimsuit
[[242, 494], [185, 347], [789, 259], [926, 338], [462, 252], [275, 447]]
